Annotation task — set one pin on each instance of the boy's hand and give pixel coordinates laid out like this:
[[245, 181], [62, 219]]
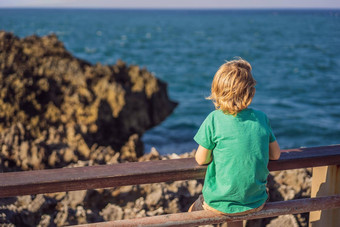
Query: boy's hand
[[274, 151], [203, 156]]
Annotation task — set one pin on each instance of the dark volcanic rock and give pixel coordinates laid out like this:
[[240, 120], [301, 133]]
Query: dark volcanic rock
[[56, 109]]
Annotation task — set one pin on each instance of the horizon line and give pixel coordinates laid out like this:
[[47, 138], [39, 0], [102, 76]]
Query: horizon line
[[158, 8]]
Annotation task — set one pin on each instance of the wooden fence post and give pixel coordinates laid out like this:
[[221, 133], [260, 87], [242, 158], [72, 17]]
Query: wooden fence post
[[325, 182]]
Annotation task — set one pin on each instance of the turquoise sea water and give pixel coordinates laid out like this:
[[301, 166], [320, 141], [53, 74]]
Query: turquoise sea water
[[295, 57]]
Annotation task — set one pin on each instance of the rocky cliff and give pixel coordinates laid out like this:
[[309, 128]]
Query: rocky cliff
[[56, 109]]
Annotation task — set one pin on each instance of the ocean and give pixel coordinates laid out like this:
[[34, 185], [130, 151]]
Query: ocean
[[295, 55]]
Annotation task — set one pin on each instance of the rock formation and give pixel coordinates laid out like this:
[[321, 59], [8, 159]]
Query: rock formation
[[56, 109]]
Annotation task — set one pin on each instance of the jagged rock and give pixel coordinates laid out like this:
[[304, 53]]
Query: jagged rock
[[61, 217], [293, 183], [194, 187], [153, 197], [112, 212], [152, 155], [45, 221], [128, 151], [36, 204], [81, 215], [284, 221], [56, 109], [75, 198]]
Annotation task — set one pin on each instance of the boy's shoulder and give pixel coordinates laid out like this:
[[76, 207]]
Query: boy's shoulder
[[258, 112], [216, 113], [260, 115]]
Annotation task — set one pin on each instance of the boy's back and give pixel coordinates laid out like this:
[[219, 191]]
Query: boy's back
[[236, 178]]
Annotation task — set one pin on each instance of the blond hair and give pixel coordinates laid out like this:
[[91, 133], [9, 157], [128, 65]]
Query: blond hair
[[233, 87]]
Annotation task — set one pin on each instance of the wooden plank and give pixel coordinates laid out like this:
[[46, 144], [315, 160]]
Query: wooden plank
[[103, 176], [197, 218], [326, 181], [306, 157]]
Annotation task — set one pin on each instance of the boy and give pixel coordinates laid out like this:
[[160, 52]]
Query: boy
[[237, 142]]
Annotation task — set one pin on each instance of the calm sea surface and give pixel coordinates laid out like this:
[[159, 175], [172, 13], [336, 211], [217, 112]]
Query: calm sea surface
[[295, 57]]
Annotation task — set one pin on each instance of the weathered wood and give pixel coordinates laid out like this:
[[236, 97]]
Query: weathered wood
[[79, 178], [326, 181], [306, 157], [102, 176], [208, 217]]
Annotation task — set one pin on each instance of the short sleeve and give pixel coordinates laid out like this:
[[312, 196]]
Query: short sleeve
[[204, 135], [272, 137]]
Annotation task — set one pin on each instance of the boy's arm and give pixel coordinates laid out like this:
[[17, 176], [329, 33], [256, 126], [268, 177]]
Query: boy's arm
[[274, 151], [203, 156]]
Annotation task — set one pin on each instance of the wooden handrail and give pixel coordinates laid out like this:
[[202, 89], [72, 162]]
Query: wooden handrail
[[103, 176], [196, 218]]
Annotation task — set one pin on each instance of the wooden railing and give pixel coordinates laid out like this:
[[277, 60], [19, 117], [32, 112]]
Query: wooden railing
[[104, 176], [197, 218]]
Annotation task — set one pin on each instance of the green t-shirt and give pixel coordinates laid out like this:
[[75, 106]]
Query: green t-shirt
[[236, 178]]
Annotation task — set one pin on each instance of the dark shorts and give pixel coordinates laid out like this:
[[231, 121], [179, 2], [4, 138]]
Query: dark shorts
[[199, 204]]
